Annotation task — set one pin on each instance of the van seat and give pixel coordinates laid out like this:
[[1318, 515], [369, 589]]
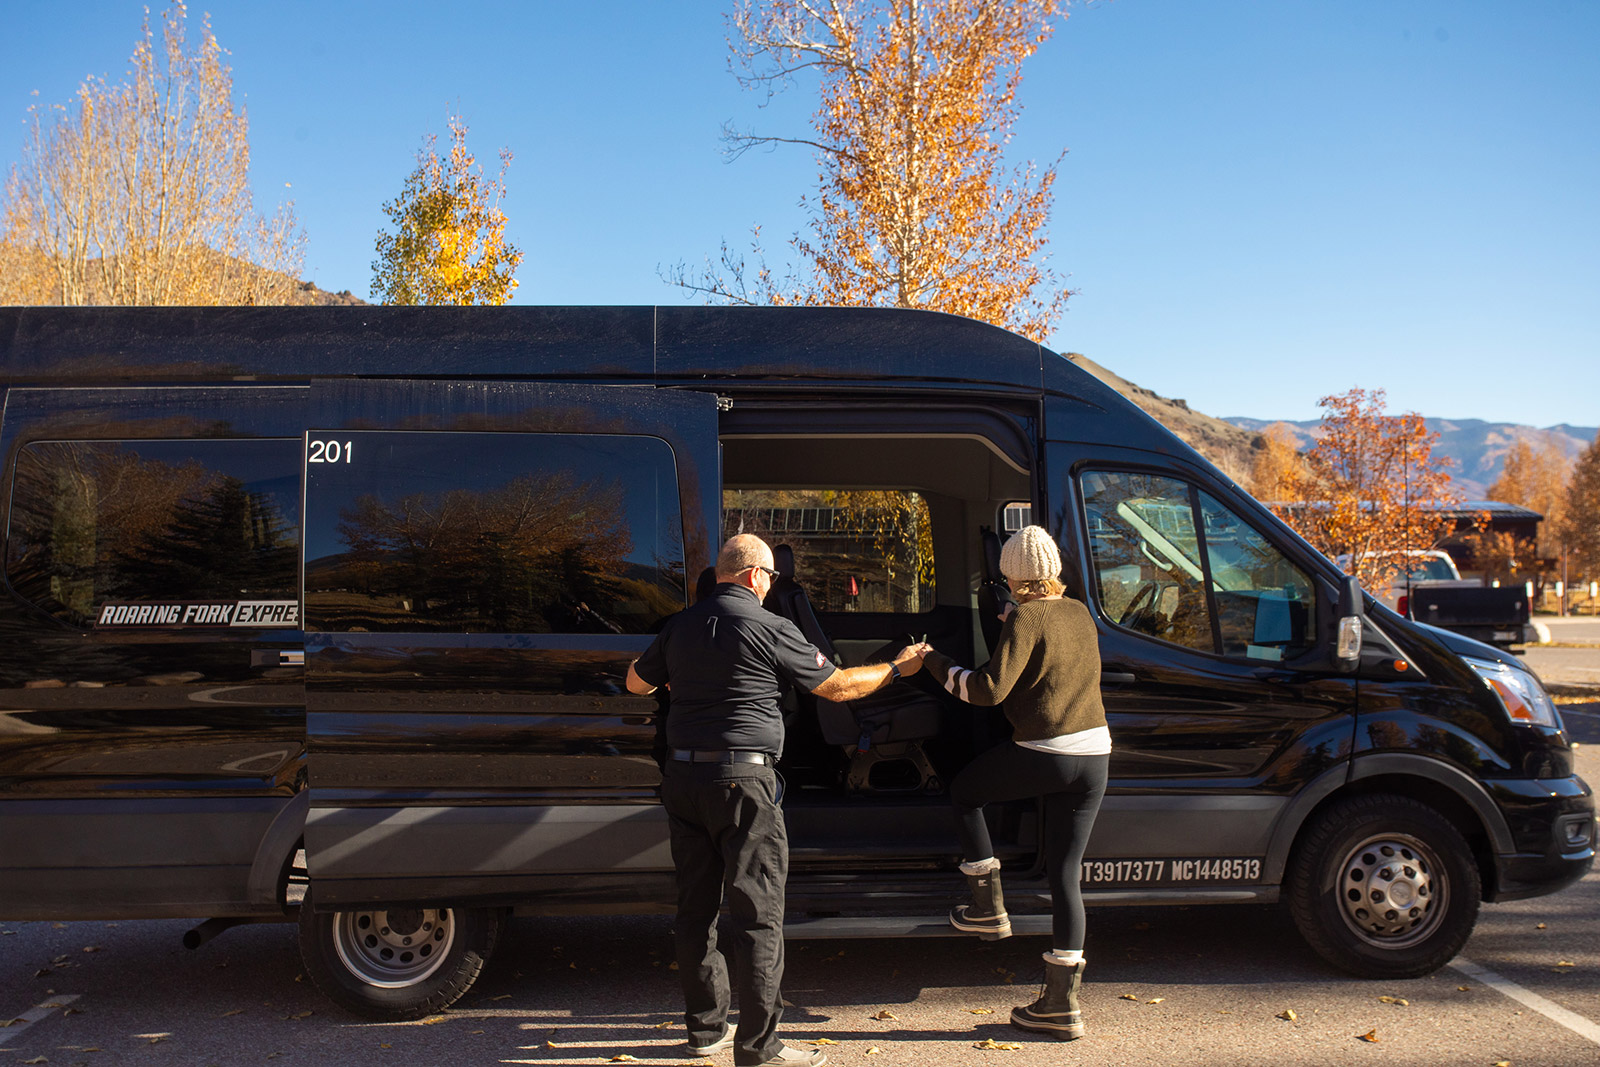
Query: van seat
[[880, 730]]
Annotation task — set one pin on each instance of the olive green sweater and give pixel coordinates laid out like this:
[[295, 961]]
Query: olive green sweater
[[1046, 670]]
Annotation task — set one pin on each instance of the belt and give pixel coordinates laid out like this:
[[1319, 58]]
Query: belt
[[722, 755]]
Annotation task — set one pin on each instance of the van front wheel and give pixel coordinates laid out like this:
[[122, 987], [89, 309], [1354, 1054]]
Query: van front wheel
[[1384, 887], [396, 963]]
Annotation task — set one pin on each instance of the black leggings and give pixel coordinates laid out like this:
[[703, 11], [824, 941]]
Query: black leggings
[[1070, 788]]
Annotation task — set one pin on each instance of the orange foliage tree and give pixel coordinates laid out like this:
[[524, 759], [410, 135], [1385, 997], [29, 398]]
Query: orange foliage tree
[[1581, 522], [1536, 478], [915, 206], [1371, 488]]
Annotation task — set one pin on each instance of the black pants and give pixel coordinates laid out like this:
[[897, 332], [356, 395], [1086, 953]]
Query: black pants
[[728, 836], [1070, 789]]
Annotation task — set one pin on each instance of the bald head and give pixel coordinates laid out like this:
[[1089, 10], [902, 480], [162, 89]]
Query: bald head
[[739, 554]]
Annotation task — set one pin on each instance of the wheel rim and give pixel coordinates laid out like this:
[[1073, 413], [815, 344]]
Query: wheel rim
[[395, 948], [1393, 891]]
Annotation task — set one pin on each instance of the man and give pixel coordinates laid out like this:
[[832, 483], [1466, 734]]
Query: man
[[724, 660]]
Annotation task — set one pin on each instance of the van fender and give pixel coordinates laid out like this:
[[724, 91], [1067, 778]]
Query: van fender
[[1396, 764], [277, 845]]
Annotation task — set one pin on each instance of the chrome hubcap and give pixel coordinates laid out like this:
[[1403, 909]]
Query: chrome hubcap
[[1392, 890], [394, 948]]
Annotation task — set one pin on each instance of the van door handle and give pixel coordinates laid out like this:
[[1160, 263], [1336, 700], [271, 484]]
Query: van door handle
[[1116, 677], [295, 658]]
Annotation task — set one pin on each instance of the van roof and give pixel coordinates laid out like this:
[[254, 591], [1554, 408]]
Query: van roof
[[689, 346], [117, 343]]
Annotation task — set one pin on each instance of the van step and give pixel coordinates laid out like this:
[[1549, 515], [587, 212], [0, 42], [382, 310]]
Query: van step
[[897, 926]]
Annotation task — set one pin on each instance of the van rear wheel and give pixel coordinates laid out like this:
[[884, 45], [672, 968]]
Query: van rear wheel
[[396, 963], [1384, 887]]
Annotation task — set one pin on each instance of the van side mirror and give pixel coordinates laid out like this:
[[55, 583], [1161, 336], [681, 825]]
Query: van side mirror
[[1347, 653]]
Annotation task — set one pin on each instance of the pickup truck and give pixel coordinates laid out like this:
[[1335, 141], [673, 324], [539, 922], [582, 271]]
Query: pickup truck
[[1435, 593]]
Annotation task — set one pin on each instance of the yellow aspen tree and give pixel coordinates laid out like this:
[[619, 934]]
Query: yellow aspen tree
[[449, 241], [1277, 469], [1536, 478], [915, 205], [1580, 525], [1372, 489], [138, 192]]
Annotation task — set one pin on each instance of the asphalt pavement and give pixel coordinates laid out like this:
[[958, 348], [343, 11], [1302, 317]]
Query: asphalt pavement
[[1223, 986]]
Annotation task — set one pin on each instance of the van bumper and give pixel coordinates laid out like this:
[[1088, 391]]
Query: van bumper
[[1552, 822]]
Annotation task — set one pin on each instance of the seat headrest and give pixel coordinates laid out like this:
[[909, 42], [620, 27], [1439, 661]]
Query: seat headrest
[[783, 561], [706, 584], [991, 554]]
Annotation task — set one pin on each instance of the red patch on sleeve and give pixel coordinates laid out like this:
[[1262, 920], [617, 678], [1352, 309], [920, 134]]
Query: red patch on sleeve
[[822, 661]]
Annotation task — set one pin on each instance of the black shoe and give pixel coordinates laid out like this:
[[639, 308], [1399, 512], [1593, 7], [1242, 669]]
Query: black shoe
[[1056, 1011], [986, 915]]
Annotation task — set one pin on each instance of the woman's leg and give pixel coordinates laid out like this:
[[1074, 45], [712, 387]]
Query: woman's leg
[[1068, 819]]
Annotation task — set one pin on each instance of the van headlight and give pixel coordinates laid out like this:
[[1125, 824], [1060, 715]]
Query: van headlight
[[1519, 691]]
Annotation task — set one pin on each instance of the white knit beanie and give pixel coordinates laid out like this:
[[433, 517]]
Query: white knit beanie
[[1030, 556]]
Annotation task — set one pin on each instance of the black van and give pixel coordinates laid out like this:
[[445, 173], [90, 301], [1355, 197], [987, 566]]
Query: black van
[[361, 585]]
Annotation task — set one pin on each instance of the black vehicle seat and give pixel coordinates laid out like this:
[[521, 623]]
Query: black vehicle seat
[[993, 593], [883, 730], [706, 584]]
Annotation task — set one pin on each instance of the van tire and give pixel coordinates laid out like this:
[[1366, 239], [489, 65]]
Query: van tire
[[1384, 886], [396, 963]]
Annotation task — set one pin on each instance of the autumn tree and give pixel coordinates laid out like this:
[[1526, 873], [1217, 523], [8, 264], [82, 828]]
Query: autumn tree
[[448, 244], [915, 205], [1580, 525], [138, 192], [1536, 478], [1371, 488], [1278, 468]]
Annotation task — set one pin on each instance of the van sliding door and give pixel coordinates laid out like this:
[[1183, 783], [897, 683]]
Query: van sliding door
[[482, 561]]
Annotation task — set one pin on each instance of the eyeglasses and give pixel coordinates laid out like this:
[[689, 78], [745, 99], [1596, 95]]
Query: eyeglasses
[[770, 573]]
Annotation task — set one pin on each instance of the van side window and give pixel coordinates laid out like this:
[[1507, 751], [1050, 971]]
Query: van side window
[[1147, 563], [854, 550], [94, 522], [1160, 575], [1264, 602], [492, 533]]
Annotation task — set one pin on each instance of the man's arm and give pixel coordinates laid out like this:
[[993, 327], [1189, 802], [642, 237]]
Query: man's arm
[[853, 683], [638, 685]]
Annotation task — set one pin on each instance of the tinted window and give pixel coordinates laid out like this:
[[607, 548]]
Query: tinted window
[[95, 522], [1161, 575], [491, 533], [1263, 600], [1147, 556], [854, 550]]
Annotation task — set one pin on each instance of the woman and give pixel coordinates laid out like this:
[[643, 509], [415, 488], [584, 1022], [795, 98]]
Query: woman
[[1046, 669]]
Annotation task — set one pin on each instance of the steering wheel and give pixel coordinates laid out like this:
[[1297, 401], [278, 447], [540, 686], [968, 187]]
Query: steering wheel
[[1141, 607]]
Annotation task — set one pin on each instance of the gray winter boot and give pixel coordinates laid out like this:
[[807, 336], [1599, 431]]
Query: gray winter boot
[[986, 915], [1056, 1011]]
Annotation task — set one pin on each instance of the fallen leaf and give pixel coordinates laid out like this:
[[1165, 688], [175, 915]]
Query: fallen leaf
[[1502, 1063], [623, 1057], [1287, 1013], [1155, 1000], [672, 966], [823, 1041], [981, 1011], [385, 1044], [502, 996], [886, 1016], [91, 948], [1128, 996], [991, 1043], [37, 1059], [235, 1011], [1370, 1035], [9, 1022], [432, 1020], [663, 1026], [1461, 989], [1565, 963], [1541, 926], [157, 1039], [1402, 1001], [475, 1031], [873, 1050]]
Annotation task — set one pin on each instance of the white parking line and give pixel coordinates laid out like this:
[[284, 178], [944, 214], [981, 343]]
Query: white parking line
[[1549, 1009], [19, 1025]]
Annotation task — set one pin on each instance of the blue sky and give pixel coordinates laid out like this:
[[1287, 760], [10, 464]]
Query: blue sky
[[1262, 202]]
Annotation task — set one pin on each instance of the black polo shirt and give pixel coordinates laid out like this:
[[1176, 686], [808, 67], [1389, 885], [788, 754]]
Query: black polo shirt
[[724, 659]]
